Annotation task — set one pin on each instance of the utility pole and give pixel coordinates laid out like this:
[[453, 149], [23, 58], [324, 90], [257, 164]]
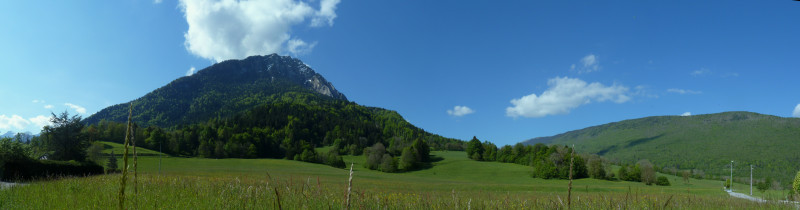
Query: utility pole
[[731, 187], [751, 179], [161, 141], [569, 191]]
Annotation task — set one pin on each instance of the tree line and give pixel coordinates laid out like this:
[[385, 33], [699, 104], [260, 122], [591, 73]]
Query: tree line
[[60, 150], [552, 162], [549, 162], [291, 128]]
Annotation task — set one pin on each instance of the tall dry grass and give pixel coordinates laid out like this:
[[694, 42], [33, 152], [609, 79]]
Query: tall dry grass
[[287, 192], [124, 177]]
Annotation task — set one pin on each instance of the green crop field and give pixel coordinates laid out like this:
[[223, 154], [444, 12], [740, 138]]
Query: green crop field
[[453, 182]]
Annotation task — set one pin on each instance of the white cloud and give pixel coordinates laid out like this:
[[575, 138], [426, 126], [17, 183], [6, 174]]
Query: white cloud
[[459, 111], [731, 74], [683, 91], [40, 121], [49, 106], [686, 114], [589, 63], [699, 72], [77, 108], [36, 101], [326, 13], [18, 124], [299, 47], [563, 95], [229, 29], [796, 112], [13, 122], [642, 90], [157, 1], [190, 72]]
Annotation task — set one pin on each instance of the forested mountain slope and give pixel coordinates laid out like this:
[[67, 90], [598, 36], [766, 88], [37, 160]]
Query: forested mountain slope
[[706, 142], [263, 106]]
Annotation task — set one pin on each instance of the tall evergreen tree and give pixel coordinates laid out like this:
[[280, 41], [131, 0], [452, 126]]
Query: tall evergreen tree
[[422, 150], [63, 139], [112, 162], [474, 149]]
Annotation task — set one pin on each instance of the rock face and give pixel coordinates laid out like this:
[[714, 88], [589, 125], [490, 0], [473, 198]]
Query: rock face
[[291, 69]]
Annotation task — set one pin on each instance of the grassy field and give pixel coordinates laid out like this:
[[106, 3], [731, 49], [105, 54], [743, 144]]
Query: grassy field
[[119, 150], [454, 182]]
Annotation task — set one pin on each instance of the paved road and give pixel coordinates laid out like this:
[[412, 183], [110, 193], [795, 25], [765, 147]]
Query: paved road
[[6, 185], [743, 196]]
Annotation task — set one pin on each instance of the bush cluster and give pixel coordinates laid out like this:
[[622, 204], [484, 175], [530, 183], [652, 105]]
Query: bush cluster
[[29, 169], [411, 157], [643, 172], [548, 162]]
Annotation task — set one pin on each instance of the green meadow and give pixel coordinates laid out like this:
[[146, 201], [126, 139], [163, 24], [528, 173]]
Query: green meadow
[[452, 182]]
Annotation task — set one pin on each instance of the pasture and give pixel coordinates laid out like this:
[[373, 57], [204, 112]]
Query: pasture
[[452, 182]]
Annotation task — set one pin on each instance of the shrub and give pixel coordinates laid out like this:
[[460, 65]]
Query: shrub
[[374, 155], [647, 173], [95, 152], [545, 170], [596, 168], [38, 169], [635, 174], [662, 181], [610, 176], [408, 160], [476, 156], [762, 186], [388, 164], [622, 173], [796, 183], [334, 159]]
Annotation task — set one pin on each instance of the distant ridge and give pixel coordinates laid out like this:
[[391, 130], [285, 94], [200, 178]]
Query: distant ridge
[[26, 136], [706, 142]]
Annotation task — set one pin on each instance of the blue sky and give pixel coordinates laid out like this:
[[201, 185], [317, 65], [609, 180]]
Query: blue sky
[[503, 71]]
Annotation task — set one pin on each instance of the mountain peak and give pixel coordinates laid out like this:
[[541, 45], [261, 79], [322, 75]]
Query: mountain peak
[[276, 66], [224, 89]]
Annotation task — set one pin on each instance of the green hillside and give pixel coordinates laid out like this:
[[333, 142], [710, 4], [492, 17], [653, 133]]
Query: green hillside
[[119, 150], [705, 142]]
